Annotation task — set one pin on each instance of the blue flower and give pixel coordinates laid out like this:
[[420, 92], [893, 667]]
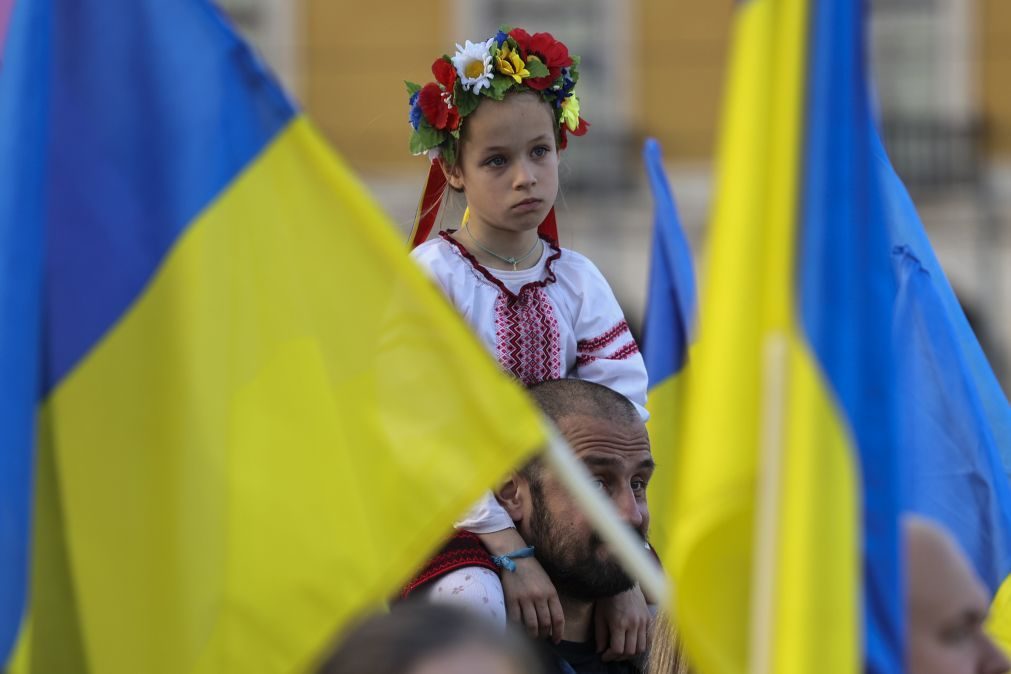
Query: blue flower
[[415, 117], [564, 90], [500, 37]]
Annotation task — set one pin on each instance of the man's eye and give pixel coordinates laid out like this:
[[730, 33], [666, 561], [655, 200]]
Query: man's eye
[[599, 484]]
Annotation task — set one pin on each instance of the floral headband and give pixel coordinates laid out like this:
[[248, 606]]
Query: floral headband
[[510, 61]]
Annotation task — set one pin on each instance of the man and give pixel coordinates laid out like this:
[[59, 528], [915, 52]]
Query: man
[[606, 433], [946, 607]]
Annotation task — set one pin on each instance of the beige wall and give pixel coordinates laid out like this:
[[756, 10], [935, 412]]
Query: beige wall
[[995, 36], [683, 49], [357, 56]]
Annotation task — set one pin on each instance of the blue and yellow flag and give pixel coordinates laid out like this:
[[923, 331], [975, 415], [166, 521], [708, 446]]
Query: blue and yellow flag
[[785, 551], [667, 334], [250, 416], [954, 418]]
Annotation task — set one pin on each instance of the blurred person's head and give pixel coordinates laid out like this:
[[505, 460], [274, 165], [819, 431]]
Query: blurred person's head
[[605, 432], [946, 606], [422, 638]]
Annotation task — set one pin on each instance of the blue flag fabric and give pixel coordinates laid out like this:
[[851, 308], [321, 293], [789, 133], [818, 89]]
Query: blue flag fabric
[[954, 417], [22, 132], [668, 331], [847, 292], [671, 302]]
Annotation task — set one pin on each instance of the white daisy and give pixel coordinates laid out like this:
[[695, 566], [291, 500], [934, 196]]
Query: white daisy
[[473, 65]]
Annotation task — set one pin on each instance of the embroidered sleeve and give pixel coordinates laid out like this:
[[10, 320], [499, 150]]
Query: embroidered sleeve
[[436, 267], [606, 352], [485, 517]]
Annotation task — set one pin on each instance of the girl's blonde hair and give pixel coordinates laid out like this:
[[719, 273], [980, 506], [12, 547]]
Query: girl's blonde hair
[[665, 653]]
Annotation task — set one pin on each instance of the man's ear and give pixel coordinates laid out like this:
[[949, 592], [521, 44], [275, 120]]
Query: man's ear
[[512, 495], [454, 176]]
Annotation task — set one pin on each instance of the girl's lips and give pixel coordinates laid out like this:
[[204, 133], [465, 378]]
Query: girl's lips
[[528, 204]]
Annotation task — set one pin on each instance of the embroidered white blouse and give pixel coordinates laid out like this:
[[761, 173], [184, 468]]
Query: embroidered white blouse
[[557, 319]]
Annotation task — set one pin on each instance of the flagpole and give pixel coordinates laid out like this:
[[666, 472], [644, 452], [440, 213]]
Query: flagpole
[[630, 550], [766, 530]]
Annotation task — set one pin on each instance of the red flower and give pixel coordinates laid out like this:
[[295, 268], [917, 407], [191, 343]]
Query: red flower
[[563, 131], [445, 73], [435, 106], [545, 47]]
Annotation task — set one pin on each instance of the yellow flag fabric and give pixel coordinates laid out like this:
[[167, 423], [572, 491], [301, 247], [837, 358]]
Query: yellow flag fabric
[[765, 554], [273, 437]]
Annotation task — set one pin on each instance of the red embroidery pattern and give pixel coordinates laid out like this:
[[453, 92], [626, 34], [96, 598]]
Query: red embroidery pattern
[[549, 273], [626, 351], [463, 549], [526, 331], [598, 343]]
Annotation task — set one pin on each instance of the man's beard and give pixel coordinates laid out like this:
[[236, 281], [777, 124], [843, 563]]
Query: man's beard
[[572, 564]]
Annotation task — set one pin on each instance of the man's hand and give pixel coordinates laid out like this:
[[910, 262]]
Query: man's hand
[[532, 601], [621, 623]]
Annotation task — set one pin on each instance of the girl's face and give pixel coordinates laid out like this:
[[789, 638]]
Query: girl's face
[[508, 164]]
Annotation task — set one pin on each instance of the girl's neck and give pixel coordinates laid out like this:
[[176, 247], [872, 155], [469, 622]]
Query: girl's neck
[[500, 249]]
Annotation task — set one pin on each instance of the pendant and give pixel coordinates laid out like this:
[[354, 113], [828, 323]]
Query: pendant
[[513, 261]]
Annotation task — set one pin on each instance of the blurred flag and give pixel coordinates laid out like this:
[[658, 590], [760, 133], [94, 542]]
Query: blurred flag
[[955, 419], [667, 334], [5, 14], [254, 415], [785, 552]]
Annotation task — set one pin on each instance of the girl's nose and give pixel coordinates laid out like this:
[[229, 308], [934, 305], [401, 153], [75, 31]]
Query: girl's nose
[[524, 176]]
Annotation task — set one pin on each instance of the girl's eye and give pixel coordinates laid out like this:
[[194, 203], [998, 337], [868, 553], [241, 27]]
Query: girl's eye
[[497, 160], [541, 150]]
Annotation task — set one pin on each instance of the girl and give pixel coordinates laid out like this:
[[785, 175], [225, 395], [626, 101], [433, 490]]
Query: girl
[[493, 123]]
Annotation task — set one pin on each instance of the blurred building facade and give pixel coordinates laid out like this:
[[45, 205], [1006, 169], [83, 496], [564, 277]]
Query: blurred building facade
[[656, 68]]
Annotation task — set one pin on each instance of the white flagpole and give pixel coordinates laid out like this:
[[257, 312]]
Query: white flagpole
[[766, 534]]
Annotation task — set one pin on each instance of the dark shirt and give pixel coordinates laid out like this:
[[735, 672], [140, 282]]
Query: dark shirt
[[571, 657]]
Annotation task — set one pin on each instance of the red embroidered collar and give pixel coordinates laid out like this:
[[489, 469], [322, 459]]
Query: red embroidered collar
[[549, 276]]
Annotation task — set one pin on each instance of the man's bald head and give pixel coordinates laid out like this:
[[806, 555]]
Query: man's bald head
[[946, 606], [561, 398]]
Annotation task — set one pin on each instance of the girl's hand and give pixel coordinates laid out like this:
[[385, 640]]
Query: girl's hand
[[621, 623], [530, 596], [532, 601]]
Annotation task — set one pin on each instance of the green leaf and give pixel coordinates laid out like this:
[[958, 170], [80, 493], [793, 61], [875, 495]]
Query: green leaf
[[425, 138], [466, 102], [414, 146], [499, 86], [536, 68], [449, 154], [412, 88], [575, 60]]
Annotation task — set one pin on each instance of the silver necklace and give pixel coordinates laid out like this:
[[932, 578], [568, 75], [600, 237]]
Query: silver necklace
[[514, 261]]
